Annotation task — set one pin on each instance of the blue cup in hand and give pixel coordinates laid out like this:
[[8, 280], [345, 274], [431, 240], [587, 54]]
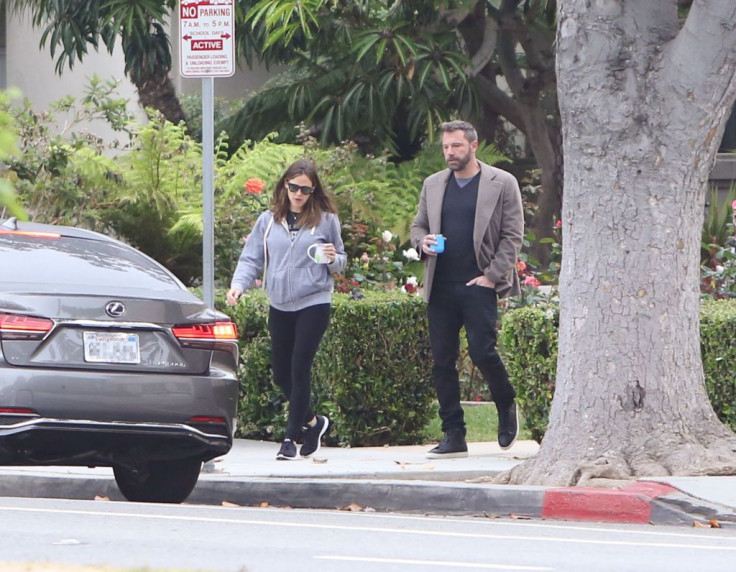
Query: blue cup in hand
[[440, 246]]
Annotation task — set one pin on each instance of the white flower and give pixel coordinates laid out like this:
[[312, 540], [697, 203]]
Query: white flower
[[411, 254], [719, 269], [412, 280], [386, 236]]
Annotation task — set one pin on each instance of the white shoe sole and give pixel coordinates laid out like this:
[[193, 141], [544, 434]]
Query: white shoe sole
[[319, 440], [458, 455]]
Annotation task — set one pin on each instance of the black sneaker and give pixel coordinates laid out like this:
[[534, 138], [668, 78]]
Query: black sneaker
[[453, 446], [287, 451], [312, 436], [508, 425]]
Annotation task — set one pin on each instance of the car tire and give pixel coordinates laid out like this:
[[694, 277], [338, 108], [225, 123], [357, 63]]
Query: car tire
[[164, 482]]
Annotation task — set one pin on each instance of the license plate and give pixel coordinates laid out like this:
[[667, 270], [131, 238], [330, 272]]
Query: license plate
[[102, 347]]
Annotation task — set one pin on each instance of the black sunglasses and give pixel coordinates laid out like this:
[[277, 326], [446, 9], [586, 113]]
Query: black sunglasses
[[305, 189]]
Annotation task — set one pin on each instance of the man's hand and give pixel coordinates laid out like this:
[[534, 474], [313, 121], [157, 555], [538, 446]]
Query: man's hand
[[428, 241], [481, 281], [232, 296]]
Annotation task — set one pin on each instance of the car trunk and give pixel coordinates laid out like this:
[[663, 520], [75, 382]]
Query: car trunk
[[140, 340]]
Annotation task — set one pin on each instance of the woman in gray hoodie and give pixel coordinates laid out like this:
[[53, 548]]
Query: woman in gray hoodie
[[297, 246]]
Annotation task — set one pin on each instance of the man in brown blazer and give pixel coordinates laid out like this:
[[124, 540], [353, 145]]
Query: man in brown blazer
[[477, 209]]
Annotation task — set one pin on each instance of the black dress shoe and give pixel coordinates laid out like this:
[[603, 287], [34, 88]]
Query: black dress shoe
[[453, 446], [508, 425]]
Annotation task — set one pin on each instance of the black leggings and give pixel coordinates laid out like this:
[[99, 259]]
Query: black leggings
[[295, 338]]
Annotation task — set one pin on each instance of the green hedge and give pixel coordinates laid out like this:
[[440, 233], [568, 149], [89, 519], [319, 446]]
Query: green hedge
[[371, 375], [529, 342]]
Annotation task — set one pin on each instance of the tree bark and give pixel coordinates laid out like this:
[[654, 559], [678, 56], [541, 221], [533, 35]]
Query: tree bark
[[158, 93], [643, 106]]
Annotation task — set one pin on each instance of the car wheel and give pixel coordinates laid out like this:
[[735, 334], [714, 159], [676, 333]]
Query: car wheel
[[165, 481]]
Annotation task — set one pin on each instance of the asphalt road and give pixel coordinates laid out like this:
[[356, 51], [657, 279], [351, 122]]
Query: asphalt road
[[238, 539]]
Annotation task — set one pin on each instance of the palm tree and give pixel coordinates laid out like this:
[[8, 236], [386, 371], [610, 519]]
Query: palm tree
[[70, 27]]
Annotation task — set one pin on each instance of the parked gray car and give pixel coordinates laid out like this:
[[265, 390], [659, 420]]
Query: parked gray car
[[106, 359]]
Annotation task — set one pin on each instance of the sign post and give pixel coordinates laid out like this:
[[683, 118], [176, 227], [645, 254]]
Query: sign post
[[207, 50]]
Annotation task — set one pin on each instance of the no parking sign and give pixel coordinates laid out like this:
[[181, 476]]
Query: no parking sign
[[207, 46]]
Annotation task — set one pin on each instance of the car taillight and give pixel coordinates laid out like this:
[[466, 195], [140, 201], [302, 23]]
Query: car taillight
[[13, 415], [214, 332], [209, 424], [17, 327], [17, 411], [206, 419]]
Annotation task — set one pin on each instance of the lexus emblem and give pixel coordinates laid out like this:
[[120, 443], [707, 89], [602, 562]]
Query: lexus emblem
[[115, 309]]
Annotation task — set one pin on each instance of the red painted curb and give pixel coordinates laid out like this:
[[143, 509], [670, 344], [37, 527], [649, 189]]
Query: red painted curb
[[632, 504]]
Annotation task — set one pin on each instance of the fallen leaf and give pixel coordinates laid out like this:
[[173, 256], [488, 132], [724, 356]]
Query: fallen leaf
[[697, 524], [353, 507], [98, 497], [714, 523], [228, 503], [264, 504], [369, 509], [319, 461], [519, 517]]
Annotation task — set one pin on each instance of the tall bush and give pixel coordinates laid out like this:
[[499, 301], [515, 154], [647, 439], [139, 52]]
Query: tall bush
[[371, 375]]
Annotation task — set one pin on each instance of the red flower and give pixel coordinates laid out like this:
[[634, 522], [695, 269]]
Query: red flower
[[520, 266], [558, 224], [254, 186], [532, 281]]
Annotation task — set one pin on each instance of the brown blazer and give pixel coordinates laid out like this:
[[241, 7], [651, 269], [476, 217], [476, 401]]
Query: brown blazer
[[497, 233]]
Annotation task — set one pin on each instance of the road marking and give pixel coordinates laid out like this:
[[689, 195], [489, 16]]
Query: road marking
[[432, 563], [382, 529]]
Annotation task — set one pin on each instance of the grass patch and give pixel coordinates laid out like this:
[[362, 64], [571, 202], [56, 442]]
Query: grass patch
[[481, 424]]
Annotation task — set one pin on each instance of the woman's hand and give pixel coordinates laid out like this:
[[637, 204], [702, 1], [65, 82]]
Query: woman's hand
[[232, 296], [330, 251]]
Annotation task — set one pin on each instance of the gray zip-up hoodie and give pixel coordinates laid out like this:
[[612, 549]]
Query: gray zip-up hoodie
[[293, 281]]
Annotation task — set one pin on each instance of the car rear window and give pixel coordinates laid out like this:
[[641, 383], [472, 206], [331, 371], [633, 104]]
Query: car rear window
[[29, 259]]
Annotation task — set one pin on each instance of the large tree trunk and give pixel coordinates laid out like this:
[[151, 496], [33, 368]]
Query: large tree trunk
[[643, 106]]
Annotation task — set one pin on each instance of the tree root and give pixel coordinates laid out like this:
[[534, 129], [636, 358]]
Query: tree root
[[617, 468]]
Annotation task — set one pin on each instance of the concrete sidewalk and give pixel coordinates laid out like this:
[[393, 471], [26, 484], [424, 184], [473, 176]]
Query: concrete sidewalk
[[402, 479]]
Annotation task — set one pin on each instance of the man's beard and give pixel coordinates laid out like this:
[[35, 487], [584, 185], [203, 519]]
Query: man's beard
[[460, 163]]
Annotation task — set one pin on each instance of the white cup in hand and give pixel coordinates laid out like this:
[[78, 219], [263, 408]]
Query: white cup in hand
[[317, 254]]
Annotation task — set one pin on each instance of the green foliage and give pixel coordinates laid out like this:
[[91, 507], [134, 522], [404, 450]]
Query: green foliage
[[371, 373], [717, 331], [159, 177], [71, 27], [382, 75], [529, 341], [718, 226], [59, 173], [8, 151], [718, 248]]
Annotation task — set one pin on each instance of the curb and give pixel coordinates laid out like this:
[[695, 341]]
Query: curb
[[643, 502]]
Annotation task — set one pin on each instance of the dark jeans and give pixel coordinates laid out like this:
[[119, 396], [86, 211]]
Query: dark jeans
[[295, 338], [451, 306]]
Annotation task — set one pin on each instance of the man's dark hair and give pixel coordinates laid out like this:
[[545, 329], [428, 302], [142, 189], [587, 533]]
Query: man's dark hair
[[470, 133]]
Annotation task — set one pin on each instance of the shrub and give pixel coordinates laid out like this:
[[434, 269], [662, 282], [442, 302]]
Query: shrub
[[371, 375], [529, 341]]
